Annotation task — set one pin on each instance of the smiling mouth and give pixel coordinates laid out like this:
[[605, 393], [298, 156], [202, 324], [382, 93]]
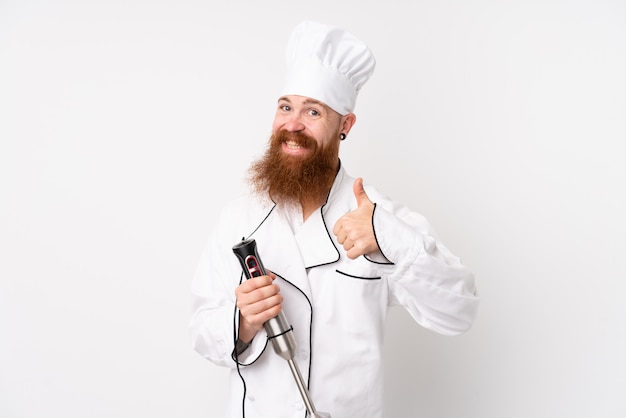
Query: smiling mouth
[[292, 145], [295, 144]]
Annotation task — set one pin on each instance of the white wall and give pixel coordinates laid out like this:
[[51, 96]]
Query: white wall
[[125, 124]]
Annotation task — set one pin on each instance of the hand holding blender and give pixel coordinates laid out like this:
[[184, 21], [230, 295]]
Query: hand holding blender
[[278, 329]]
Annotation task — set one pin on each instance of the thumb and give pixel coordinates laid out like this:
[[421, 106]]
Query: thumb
[[359, 193]]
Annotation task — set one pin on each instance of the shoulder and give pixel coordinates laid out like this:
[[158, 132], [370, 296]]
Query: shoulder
[[383, 201], [343, 191], [243, 214], [247, 205]]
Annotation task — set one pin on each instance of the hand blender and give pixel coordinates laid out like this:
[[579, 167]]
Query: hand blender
[[278, 329]]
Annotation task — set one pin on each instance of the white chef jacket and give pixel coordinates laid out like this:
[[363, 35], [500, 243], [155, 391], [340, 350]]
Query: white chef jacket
[[337, 306]]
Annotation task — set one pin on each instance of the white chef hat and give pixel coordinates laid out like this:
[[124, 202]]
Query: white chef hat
[[328, 64]]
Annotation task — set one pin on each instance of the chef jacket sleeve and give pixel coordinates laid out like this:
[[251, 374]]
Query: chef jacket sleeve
[[215, 318], [425, 278]]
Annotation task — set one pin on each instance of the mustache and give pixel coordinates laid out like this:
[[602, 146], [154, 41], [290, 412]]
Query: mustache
[[298, 138]]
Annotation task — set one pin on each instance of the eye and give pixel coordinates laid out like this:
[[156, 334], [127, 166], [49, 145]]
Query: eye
[[285, 108], [314, 112]]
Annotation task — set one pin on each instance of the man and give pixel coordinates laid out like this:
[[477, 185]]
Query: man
[[340, 254]]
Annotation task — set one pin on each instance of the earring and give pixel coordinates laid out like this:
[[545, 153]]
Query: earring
[[342, 136]]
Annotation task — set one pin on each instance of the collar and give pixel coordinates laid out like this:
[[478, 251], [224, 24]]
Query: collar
[[313, 241]]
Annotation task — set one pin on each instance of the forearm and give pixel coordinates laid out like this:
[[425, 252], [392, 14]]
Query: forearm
[[212, 333], [212, 325]]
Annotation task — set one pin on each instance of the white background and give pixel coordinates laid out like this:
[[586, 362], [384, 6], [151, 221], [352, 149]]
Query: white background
[[124, 125]]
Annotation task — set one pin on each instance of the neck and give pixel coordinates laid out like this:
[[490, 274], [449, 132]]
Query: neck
[[309, 208]]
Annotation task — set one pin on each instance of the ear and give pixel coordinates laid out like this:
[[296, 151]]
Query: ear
[[347, 122]]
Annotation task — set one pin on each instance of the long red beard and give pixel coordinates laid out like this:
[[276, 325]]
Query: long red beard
[[293, 180]]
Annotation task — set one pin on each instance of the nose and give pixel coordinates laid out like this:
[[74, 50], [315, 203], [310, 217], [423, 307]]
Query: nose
[[293, 123]]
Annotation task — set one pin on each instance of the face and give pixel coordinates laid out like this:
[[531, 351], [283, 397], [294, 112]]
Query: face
[[302, 115], [301, 161]]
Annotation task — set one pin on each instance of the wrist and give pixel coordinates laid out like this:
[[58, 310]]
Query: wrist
[[241, 346], [246, 331]]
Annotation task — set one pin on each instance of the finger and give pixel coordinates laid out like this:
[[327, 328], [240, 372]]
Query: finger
[[249, 295], [254, 283], [260, 294], [338, 226], [270, 313], [341, 237], [260, 306], [359, 193], [259, 313], [353, 253]]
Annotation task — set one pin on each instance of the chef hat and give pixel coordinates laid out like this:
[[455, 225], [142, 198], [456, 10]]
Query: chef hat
[[328, 64]]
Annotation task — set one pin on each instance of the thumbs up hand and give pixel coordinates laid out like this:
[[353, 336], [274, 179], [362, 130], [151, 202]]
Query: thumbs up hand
[[354, 230]]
